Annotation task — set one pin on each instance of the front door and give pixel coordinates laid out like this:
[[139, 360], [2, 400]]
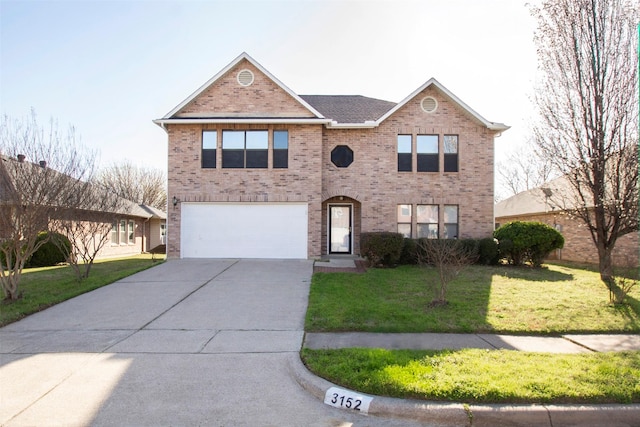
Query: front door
[[340, 229]]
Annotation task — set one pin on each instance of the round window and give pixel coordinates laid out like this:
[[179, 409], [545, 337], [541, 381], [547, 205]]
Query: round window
[[245, 77], [429, 104]]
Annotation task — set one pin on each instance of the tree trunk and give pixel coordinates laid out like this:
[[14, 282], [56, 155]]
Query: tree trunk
[[605, 265]]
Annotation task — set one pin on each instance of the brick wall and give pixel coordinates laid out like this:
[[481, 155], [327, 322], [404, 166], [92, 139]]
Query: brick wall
[[373, 178], [371, 183], [227, 98], [189, 182]]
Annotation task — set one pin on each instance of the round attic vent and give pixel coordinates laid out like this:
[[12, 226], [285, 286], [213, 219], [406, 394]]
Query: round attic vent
[[245, 77], [429, 104]]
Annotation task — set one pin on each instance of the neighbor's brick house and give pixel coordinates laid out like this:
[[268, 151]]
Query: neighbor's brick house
[[255, 170], [543, 204]]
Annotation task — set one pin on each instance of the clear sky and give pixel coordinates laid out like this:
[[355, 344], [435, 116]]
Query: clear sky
[[111, 67]]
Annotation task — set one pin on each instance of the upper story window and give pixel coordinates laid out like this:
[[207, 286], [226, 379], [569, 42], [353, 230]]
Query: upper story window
[[427, 149], [450, 143], [280, 149], [404, 153], [245, 149], [209, 144]]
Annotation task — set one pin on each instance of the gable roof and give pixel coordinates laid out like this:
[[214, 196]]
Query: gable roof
[[243, 56], [349, 108], [537, 200], [334, 111], [433, 82]]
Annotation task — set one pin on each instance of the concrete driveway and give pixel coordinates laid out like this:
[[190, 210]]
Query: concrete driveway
[[186, 343]]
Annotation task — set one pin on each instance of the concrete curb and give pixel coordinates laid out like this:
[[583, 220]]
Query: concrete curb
[[456, 414]]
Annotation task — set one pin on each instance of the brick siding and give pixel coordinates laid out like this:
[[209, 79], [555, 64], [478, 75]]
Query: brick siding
[[371, 183]]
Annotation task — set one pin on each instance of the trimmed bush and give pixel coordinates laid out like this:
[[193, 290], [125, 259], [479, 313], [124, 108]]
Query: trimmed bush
[[409, 254], [382, 248], [49, 254], [524, 241], [488, 252]]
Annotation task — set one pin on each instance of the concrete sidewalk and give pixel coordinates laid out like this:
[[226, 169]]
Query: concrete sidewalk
[[434, 341]]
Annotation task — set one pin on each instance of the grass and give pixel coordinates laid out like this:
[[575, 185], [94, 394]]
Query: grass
[[557, 299], [47, 286], [483, 376], [553, 300]]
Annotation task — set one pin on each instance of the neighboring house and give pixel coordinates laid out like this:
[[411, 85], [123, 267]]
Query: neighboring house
[[134, 228], [542, 204], [258, 171]]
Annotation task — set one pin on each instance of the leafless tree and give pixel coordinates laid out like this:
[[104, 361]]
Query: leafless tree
[[523, 170], [588, 113], [139, 184], [449, 257], [88, 226], [41, 171]]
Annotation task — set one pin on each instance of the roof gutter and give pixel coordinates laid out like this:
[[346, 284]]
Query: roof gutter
[[187, 121]]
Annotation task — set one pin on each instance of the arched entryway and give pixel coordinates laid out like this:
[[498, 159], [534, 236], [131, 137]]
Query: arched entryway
[[341, 226]]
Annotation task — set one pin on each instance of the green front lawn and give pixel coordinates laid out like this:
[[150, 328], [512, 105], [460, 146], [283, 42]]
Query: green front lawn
[[502, 299], [483, 376], [47, 286], [553, 300]]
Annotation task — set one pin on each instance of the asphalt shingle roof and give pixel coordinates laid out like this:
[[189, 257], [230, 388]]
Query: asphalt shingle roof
[[349, 108]]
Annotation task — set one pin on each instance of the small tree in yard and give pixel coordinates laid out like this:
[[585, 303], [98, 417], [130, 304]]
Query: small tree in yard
[[449, 258], [88, 227], [41, 170]]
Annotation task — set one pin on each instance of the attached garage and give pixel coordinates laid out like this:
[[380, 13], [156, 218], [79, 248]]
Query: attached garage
[[244, 230]]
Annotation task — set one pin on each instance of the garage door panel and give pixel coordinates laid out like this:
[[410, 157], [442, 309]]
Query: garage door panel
[[244, 230]]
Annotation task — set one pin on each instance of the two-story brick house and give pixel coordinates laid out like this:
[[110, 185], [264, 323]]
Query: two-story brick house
[[258, 171]]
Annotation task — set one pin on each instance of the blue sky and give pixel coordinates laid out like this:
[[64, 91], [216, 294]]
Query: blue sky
[[111, 67]]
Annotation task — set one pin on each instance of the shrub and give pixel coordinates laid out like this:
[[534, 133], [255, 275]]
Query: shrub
[[382, 248], [488, 253], [49, 254], [522, 241], [409, 254]]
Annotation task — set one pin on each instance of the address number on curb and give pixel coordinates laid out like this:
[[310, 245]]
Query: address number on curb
[[346, 399]]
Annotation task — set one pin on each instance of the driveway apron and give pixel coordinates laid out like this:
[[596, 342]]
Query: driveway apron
[[188, 342]]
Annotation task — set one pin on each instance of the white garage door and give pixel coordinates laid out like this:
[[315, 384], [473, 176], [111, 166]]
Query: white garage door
[[244, 230]]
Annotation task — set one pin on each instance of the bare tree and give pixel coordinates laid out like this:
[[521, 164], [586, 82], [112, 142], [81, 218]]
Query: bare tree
[[141, 185], [588, 109], [88, 226], [449, 257], [523, 170], [41, 171]]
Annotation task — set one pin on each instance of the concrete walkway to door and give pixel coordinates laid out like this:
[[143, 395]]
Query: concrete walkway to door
[[189, 342]]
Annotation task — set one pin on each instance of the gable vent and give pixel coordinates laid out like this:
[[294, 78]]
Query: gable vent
[[245, 77], [429, 104]]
